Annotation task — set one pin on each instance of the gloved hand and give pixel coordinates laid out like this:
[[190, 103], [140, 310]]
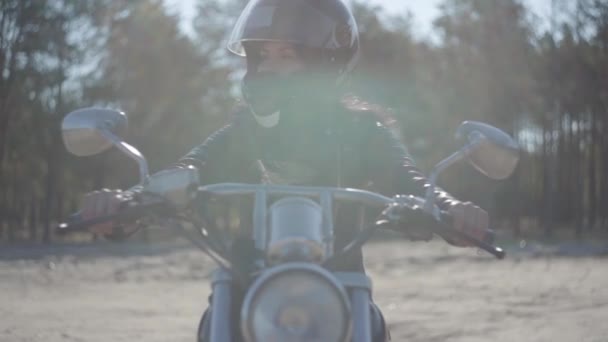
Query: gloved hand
[[470, 219], [104, 203], [414, 224]]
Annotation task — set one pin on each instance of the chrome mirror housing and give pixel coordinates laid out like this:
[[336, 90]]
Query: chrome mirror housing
[[83, 130], [492, 151], [90, 131]]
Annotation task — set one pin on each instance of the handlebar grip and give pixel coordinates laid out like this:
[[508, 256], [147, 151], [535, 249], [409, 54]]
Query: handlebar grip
[[486, 244]]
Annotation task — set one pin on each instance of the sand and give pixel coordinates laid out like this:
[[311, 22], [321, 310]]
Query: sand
[[428, 292]]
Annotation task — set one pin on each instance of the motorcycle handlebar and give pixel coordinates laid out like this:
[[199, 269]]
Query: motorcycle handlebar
[[343, 194], [442, 226]]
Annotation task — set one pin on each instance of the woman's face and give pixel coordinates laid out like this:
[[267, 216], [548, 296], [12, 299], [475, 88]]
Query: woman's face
[[277, 77], [279, 57]]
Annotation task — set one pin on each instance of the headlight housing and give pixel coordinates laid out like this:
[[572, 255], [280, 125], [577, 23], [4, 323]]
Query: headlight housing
[[298, 303]]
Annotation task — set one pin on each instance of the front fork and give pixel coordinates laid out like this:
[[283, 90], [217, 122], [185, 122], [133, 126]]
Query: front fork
[[219, 326], [359, 288]]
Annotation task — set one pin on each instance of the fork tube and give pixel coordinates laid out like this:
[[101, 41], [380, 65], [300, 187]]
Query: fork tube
[[259, 219], [326, 200], [359, 298], [221, 306]]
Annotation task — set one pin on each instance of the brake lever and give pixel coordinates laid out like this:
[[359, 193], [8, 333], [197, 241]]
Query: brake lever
[[133, 211], [76, 223]]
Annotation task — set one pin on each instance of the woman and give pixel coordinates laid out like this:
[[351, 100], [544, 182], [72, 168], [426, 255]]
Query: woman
[[299, 128]]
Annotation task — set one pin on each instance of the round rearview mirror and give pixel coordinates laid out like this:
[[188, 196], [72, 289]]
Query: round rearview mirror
[[493, 152], [85, 130]]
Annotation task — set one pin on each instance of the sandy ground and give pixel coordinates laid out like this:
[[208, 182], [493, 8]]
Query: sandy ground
[[428, 292]]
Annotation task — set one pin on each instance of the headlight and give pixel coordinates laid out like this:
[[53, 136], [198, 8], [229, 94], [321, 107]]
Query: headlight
[[296, 303]]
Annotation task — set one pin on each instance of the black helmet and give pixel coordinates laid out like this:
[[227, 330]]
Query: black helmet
[[325, 27]]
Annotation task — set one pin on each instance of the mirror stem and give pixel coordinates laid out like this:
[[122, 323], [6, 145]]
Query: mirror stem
[[442, 166], [131, 152]]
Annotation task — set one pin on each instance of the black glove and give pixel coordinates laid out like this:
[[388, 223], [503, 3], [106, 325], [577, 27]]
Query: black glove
[[415, 224]]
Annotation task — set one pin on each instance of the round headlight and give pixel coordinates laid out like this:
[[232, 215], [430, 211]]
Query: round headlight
[[298, 303]]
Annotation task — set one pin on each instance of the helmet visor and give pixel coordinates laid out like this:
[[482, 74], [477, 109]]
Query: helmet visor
[[294, 21]]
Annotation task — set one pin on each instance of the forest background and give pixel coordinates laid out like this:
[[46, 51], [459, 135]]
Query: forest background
[[544, 82]]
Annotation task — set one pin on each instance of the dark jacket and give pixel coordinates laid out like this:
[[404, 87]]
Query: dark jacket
[[344, 148]]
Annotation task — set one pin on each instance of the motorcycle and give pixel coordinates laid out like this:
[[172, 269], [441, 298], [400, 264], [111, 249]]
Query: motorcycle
[[290, 295]]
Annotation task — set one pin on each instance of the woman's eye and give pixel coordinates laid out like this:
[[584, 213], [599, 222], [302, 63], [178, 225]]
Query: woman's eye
[[286, 54]]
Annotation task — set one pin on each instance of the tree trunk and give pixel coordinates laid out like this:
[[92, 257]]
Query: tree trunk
[[544, 203], [33, 221], [50, 189], [591, 185], [604, 175]]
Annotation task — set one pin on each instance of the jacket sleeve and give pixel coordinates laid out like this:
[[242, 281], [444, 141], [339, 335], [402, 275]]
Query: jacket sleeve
[[214, 156], [392, 169]]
